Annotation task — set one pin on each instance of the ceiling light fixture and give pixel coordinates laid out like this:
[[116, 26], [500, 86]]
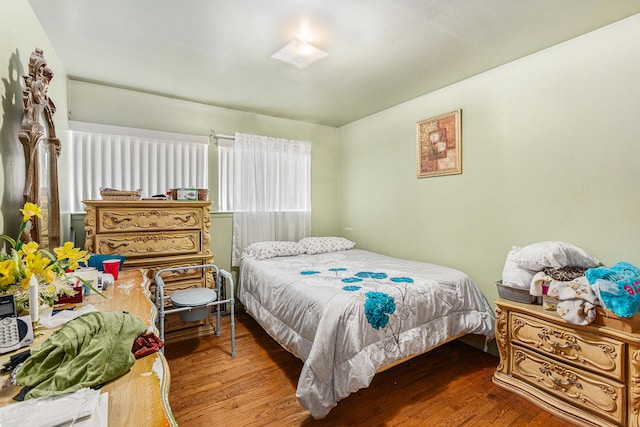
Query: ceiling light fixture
[[299, 53]]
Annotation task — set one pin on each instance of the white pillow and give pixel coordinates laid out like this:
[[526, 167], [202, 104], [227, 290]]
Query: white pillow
[[320, 245], [552, 254], [266, 250], [515, 276]]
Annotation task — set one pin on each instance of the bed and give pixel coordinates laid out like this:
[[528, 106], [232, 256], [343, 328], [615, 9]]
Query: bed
[[348, 314]]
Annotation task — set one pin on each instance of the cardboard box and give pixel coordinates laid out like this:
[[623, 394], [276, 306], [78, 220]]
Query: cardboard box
[[607, 318], [187, 194]]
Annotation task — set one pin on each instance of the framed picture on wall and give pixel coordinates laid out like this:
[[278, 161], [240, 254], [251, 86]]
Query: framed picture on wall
[[439, 145]]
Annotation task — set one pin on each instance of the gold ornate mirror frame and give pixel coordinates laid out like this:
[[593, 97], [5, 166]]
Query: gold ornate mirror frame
[[41, 152]]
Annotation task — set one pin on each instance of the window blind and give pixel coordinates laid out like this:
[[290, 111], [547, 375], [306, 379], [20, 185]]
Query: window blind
[[130, 159]]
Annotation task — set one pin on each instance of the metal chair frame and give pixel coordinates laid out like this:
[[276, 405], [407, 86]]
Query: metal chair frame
[[160, 299]]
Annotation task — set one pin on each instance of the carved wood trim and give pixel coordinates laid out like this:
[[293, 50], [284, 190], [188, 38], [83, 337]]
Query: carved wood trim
[[90, 228], [583, 389], [501, 338], [580, 348], [144, 220], [634, 387], [38, 128]]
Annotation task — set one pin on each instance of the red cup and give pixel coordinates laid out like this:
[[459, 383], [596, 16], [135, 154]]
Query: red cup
[[111, 266]]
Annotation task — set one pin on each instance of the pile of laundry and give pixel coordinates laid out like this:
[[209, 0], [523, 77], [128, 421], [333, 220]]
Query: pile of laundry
[[575, 278]]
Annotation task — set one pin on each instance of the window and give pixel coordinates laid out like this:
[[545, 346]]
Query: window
[[131, 159]]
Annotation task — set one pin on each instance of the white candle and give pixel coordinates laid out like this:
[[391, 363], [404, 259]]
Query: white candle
[[34, 299]]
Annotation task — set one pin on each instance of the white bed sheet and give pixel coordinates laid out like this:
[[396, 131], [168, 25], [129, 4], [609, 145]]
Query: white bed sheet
[[348, 314]]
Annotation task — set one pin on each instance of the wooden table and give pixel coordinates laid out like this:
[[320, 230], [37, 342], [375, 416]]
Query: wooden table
[[141, 396]]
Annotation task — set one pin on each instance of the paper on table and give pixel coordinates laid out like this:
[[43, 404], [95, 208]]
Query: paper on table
[[51, 411], [66, 315]]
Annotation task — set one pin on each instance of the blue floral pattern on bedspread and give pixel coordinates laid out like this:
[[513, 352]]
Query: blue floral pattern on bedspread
[[378, 306]]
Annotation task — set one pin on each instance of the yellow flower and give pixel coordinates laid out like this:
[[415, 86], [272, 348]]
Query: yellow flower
[[35, 263], [71, 254], [7, 269], [28, 249], [30, 210]]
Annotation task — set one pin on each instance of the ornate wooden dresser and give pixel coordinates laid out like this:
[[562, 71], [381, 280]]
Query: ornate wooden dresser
[[156, 234], [587, 375]]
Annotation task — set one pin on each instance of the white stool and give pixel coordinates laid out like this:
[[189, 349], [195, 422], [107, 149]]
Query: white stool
[[195, 304]]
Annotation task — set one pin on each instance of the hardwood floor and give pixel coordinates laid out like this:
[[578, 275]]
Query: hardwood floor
[[449, 386]]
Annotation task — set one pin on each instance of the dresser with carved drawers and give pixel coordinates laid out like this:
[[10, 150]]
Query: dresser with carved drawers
[[152, 235], [588, 375]]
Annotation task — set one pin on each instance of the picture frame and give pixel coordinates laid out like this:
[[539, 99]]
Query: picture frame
[[439, 145]]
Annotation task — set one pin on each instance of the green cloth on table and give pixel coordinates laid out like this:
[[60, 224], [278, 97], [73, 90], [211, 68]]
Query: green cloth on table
[[86, 352]]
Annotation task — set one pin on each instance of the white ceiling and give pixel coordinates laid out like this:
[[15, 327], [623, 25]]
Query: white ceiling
[[381, 52]]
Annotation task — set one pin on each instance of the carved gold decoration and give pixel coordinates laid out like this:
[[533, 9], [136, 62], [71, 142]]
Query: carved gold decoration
[[501, 337], [90, 228], [585, 390], [587, 375], [583, 349], [134, 220], [162, 244], [41, 151], [206, 238], [634, 386]]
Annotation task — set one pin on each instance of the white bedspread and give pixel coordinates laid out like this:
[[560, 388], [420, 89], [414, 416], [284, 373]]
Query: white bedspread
[[348, 314]]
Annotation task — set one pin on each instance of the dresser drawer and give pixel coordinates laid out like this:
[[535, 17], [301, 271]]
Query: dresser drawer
[[580, 388], [597, 353], [151, 244], [137, 220]]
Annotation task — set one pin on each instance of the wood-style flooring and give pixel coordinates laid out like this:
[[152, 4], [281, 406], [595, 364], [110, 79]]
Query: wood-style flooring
[[448, 386]]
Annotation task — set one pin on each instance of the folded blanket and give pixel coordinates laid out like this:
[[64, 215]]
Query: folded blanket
[[88, 351], [576, 300]]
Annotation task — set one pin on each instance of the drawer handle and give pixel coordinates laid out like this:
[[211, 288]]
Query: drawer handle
[[114, 246], [115, 220], [185, 219], [544, 335], [559, 383]]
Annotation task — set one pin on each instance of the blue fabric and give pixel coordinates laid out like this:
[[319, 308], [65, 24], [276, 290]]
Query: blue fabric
[[619, 287], [377, 308], [96, 260]]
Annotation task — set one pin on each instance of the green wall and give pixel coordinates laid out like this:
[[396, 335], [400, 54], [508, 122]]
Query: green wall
[[550, 145], [550, 149], [96, 103], [20, 34]]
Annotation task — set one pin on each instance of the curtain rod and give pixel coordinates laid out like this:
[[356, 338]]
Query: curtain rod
[[221, 136]]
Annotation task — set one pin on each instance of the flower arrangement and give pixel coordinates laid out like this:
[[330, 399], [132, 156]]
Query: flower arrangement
[[25, 260]]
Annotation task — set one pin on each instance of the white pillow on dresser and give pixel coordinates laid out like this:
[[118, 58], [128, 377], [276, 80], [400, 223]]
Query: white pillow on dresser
[[514, 275], [552, 254]]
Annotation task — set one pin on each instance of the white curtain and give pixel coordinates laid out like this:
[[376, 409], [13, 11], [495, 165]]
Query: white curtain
[[225, 173], [271, 191]]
